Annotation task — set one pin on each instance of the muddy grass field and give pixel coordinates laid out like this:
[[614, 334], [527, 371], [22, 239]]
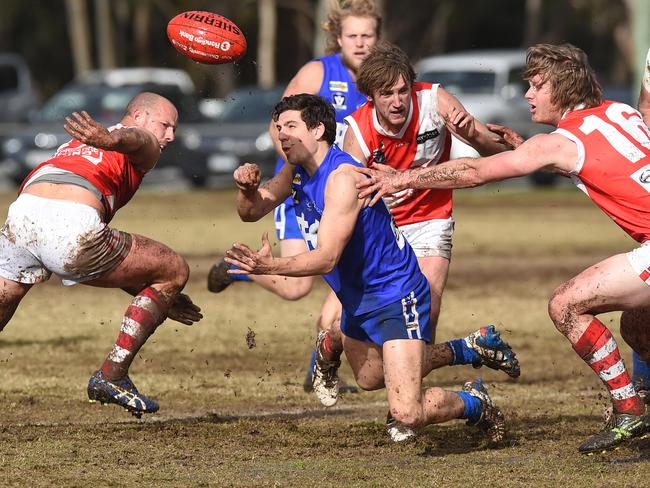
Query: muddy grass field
[[233, 412]]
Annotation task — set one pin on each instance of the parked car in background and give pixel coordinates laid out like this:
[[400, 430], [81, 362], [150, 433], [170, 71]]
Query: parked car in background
[[18, 94], [489, 84], [37, 141], [139, 76], [238, 134]]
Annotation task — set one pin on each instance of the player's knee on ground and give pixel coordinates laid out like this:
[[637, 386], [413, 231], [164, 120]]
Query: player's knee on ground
[[409, 414]]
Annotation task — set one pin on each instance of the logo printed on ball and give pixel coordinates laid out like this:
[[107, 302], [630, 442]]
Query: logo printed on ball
[[206, 37], [211, 20]]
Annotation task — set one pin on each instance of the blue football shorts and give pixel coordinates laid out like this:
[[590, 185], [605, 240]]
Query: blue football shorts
[[286, 224], [407, 318]]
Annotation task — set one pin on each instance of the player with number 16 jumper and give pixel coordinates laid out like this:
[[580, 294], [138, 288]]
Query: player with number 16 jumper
[[604, 146]]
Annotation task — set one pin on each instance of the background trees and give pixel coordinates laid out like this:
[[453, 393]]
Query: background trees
[[61, 37]]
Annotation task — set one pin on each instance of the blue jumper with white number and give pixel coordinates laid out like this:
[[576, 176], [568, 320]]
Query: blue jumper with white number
[[377, 266]]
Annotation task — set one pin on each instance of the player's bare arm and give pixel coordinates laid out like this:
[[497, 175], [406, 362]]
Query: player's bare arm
[[140, 144], [351, 146], [468, 129], [342, 208], [545, 151], [508, 136], [255, 201]]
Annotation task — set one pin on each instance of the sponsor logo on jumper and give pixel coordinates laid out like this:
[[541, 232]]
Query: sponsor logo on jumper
[[425, 136], [297, 181], [378, 155], [224, 46], [645, 176], [218, 22], [338, 86], [89, 153], [642, 177]]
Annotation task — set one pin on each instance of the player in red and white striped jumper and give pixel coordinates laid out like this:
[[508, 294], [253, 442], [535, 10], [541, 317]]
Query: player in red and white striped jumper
[[604, 147], [59, 224]]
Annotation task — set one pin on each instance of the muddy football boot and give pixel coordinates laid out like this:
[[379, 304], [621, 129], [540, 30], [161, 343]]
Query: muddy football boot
[[397, 431], [218, 278], [120, 392], [642, 387], [325, 375], [492, 421], [493, 351], [620, 428]]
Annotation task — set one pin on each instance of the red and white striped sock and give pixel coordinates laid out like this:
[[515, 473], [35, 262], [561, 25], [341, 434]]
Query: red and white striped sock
[[598, 348], [146, 312]]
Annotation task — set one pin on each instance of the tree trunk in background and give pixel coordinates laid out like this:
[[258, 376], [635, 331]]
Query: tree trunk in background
[[267, 22], [80, 41], [533, 21], [104, 28], [303, 15], [141, 28], [639, 11], [435, 40], [320, 38]]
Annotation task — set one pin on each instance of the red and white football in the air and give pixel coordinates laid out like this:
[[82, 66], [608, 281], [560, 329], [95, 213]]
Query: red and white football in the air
[[206, 37]]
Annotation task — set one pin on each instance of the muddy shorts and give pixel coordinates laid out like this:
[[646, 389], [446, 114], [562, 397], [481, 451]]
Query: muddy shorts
[[43, 236], [639, 259], [430, 238]]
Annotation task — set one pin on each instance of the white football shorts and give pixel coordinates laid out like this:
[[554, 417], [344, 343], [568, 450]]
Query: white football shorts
[[639, 259], [43, 236], [430, 238]]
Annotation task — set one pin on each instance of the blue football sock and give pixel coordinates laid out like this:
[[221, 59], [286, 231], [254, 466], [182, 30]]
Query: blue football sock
[[473, 407], [640, 370], [462, 353], [240, 277]]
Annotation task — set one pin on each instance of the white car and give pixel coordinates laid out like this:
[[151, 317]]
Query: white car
[[488, 83]]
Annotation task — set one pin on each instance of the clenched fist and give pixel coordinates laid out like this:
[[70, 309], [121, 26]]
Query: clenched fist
[[248, 177]]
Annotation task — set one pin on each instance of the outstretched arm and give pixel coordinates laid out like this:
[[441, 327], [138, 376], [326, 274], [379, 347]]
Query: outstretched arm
[[140, 144], [337, 224], [468, 129], [545, 151]]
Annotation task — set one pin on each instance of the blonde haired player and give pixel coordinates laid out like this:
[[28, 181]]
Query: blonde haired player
[[604, 147]]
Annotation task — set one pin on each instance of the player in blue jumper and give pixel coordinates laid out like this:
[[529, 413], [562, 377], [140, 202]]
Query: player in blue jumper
[[385, 330], [353, 27]]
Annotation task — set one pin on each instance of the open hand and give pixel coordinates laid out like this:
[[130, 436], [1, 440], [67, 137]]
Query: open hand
[[462, 123], [506, 135], [85, 129], [183, 310], [383, 180], [249, 261], [248, 177]]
